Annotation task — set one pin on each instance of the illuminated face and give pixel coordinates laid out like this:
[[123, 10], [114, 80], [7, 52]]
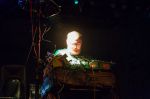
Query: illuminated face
[[74, 43]]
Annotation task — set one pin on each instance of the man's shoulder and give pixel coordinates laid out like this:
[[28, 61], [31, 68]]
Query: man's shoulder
[[60, 52]]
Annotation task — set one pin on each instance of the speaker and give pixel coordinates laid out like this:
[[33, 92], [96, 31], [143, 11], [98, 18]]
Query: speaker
[[13, 79]]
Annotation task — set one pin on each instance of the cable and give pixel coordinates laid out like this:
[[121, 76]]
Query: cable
[[45, 40], [33, 33], [59, 8]]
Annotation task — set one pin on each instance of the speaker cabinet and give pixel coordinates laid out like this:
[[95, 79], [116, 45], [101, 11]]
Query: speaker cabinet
[[13, 79]]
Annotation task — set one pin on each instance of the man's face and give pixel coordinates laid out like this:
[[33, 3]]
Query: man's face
[[74, 46]]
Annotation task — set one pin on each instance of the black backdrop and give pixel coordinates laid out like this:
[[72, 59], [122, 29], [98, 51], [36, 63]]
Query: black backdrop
[[116, 31]]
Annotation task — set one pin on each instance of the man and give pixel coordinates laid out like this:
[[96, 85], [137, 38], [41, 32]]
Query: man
[[71, 54], [73, 50], [74, 45]]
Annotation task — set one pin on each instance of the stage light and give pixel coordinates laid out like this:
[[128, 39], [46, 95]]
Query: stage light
[[76, 2]]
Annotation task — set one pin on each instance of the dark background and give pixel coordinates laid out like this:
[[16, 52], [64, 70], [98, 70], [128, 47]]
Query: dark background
[[113, 30]]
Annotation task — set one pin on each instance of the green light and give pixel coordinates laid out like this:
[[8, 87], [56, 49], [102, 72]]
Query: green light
[[76, 2]]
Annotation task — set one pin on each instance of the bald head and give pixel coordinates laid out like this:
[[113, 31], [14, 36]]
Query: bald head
[[73, 35]]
